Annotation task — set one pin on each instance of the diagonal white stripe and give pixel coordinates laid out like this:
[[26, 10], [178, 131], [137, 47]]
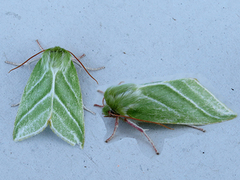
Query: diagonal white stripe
[[161, 104], [190, 100], [222, 106], [36, 83], [32, 109], [74, 120], [67, 129], [70, 86], [29, 126]]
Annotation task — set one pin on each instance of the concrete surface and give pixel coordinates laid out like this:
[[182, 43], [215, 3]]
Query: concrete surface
[[139, 41]]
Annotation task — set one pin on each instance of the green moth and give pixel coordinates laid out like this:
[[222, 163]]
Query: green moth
[[52, 97], [182, 101]]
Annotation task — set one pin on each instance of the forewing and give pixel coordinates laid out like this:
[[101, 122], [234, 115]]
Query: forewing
[[67, 119], [182, 101], [34, 112]]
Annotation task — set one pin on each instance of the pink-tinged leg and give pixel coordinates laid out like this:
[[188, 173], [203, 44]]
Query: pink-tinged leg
[[39, 45], [102, 99], [97, 105], [81, 56], [100, 91], [121, 82], [195, 127], [114, 131], [142, 131]]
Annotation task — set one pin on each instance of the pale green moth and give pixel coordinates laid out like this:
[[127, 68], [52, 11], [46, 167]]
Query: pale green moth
[[182, 101], [52, 96]]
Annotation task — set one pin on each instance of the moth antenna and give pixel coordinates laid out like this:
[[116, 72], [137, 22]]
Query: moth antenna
[[115, 129], [83, 65], [117, 115], [26, 61]]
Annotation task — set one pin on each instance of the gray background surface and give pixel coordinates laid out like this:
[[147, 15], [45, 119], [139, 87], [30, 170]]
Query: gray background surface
[[137, 41]]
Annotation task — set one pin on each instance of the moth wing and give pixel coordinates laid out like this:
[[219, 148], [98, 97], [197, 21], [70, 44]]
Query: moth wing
[[67, 119], [183, 101], [34, 112]]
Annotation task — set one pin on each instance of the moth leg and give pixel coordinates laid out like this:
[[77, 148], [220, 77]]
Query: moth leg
[[39, 45], [14, 105], [195, 127], [84, 107], [102, 99], [121, 82], [95, 69], [100, 91], [29, 62], [18, 64], [142, 131], [97, 105], [88, 68], [114, 131]]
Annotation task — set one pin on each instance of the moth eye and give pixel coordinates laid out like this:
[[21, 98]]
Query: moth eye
[[111, 111]]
